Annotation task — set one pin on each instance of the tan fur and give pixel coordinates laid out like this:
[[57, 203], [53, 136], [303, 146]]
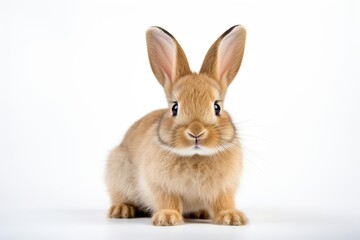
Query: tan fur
[[157, 169]]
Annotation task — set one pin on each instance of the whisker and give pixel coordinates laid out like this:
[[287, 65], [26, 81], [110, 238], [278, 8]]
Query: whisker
[[246, 120], [253, 163], [254, 154], [249, 135]]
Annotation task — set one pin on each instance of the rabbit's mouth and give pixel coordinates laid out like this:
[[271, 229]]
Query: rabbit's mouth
[[196, 144], [196, 137]]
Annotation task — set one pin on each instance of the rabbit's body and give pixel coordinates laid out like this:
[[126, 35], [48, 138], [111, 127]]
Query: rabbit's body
[[186, 158], [137, 164]]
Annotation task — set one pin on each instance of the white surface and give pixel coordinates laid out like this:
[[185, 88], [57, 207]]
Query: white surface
[[92, 224], [74, 75]]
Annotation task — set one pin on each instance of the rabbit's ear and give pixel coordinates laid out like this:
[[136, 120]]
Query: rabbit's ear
[[167, 59], [223, 60]]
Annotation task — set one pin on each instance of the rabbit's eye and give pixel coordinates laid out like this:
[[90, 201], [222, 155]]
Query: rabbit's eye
[[174, 109], [217, 109]]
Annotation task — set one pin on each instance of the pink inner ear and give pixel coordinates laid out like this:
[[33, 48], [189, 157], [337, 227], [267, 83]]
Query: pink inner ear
[[165, 53], [227, 53]]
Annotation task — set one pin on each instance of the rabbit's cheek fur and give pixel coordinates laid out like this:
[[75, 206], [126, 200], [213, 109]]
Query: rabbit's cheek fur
[[215, 138]]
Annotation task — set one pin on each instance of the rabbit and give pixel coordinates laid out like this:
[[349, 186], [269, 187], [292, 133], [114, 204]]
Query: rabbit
[[185, 160]]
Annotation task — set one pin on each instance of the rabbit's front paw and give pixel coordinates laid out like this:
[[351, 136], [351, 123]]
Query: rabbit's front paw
[[230, 217], [167, 218], [121, 211]]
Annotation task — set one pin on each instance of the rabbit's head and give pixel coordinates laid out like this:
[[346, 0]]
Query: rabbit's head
[[196, 122]]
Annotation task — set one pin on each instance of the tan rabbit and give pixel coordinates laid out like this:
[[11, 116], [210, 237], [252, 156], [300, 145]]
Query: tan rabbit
[[185, 159]]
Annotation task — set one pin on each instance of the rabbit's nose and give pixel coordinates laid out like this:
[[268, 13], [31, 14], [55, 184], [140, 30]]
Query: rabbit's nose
[[195, 136], [196, 130]]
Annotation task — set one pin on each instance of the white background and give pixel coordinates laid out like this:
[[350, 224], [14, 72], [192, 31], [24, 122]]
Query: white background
[[74, 75]]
